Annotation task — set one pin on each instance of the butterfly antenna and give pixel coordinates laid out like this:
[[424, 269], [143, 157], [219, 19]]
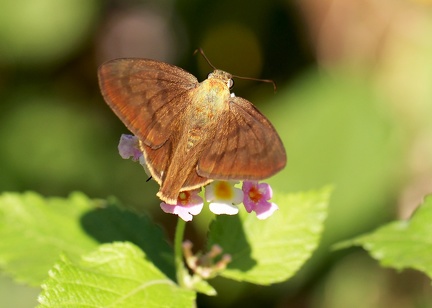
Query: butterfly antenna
[[201, 51], [149, 179], [257, 79]]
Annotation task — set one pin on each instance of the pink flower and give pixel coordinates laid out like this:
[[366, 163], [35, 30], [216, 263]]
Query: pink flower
[[256, 196], [188, 204], [129, 147], [223, 197]]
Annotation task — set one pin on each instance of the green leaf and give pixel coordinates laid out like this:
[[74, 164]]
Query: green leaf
[[111, 224], [116, 275], [34, 231], [270, 251], [401, 244]]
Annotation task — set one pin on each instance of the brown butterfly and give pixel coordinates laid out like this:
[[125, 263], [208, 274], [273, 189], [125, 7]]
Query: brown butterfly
[[190, 133]]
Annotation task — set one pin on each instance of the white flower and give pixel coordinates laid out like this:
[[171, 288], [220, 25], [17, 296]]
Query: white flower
[[223, 197]]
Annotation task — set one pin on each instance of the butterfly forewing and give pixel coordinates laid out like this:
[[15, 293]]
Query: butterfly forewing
[[246, 146], [146, 95]]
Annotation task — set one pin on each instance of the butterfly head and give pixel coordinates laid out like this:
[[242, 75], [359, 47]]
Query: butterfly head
[[223, 76]]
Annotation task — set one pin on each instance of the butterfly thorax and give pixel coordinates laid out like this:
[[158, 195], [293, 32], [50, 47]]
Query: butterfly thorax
[[208, 103]]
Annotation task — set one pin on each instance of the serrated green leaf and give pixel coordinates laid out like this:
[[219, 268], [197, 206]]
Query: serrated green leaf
[[270, 251], [116, 275], [402, 244], [35, 230]]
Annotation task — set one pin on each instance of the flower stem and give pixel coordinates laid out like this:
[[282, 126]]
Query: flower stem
[[181, 272]]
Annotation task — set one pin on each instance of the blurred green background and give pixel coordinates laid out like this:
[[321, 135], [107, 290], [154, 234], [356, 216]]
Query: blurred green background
[[353, 107]]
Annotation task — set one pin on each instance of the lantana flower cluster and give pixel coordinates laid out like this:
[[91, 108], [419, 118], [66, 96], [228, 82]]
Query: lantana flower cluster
[[223, 196]]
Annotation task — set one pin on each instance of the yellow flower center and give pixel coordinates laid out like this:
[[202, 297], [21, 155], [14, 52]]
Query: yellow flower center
[[223, 190], [254, 194], [184, 198]]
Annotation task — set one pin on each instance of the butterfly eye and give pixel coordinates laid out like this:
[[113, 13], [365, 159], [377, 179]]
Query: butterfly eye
[[230, 83]]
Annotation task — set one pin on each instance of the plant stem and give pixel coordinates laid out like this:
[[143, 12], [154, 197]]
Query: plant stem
[[178, 253]]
